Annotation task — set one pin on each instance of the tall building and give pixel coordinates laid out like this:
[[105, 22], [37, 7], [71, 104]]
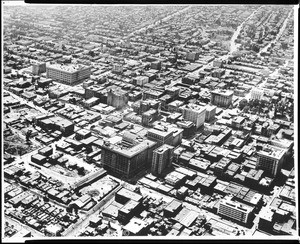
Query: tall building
[[68, 74], [38, 68], [256, 93], [194, 113], [127, 161], [210, 112], [160, 137], [266, 219], [270, 159], [222, 98], [235, 210], [117, 98], [162, 159], [149, 117]]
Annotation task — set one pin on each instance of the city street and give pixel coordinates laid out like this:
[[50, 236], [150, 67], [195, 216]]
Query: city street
[[190, 108]]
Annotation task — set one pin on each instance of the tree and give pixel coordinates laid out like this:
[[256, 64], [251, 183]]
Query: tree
[[243, 103], [255, 102]]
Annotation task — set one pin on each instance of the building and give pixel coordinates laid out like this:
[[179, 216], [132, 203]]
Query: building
[[188, 128], [210, 112], [141, 80], [222, 98], [91, 102], [38, 68], [117, 69], [217, 63], [128, 211], [68, 74], [127, 161], [135, 227], [162, 159], [160, 137], [270, 159], [194, 113], [175, 106], [256, 93], [266, 220], [149, 117], [53, 230], [235, 210], [117, 98]]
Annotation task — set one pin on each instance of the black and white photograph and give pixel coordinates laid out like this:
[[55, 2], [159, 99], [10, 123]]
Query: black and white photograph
[[149, 121]]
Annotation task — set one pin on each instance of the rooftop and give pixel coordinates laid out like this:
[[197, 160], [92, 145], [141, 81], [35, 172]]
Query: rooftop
[[163, 148], [68, 68], [223, 92], [274, 152]]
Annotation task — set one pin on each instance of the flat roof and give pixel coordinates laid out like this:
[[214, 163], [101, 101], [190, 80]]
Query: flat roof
[[186, 217], [129, 194], [222, 92], [68, 68], [130, 152], [159, 132], [236, 205], [135, 225], [272, 152], [163, 148], [194, 107]]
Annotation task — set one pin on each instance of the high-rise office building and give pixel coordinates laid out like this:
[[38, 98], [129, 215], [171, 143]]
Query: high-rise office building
[[162, 159], [160, 137], [194, 113], [210, 112], [235, 210], [68, 74], [270, 159], [38, 68], [222, 98], [127, 161], [117, 98]]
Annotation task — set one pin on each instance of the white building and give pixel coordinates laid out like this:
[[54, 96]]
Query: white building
[[235, 210], [194, 113], [68, 74], [256, 93]]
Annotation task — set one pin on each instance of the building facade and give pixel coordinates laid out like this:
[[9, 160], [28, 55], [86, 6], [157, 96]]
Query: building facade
[[256, 93], [68, 74], [127, 161], [160, 137], [234, 210], [162, 159], [117, 98], [222, 98], [210, 112], [38, 68], [270, 160], [194, 113]]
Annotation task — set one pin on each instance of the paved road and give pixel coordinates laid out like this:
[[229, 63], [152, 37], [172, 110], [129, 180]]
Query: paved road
[[233, 45]]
